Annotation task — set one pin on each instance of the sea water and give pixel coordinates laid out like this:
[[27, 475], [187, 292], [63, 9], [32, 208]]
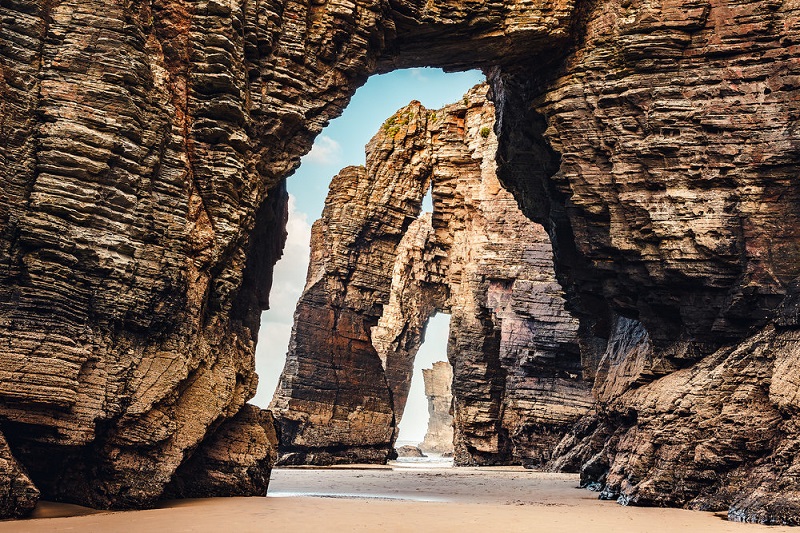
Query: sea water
[[432, 460]]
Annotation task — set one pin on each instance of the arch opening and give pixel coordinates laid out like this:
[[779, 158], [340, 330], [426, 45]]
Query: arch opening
[[339, 145], [421, 407], [379, 271]]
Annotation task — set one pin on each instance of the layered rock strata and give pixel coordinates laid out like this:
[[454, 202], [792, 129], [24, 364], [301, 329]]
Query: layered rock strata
[[656, 142], [237, 460], [660, 153], [333, 403], [438, 390], [517, 374], [142, 148]]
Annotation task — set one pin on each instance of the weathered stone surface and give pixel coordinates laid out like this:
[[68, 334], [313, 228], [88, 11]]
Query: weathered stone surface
[[518, 379], [409, 451], [18, 495], [660, 154], [655, 141], [718, 435], [142, 148], [236, 460], [332, 399], [439, 391]]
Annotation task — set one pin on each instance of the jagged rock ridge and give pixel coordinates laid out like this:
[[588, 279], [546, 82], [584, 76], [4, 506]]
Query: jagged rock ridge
[[517, 381]]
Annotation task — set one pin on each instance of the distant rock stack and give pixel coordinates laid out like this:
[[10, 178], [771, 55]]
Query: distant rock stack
[[438, 381]]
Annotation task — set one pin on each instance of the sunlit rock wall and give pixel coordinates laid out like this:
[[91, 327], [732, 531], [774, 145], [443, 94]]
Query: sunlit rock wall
[[517, 382], [333, 403]]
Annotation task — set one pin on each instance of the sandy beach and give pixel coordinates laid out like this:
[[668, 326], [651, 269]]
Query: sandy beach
[[410, 498]]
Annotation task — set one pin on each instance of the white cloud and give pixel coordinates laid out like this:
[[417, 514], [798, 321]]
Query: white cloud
[[287, 286], [273, 341], [326, 151], [418, 74]]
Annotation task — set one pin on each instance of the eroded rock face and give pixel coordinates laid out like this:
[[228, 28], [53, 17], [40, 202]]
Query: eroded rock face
[[518, 381], [235, 461], [660, 155], [438, 390], [333, 403], [517, 371], [143, 148], [18, 495], [409, 451]]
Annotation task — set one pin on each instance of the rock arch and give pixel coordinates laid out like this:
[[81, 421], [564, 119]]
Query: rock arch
[[144, 148], [377, 275], [140, 143]]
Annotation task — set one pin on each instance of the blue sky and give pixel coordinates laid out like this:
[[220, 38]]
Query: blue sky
[[342, 142], [339, 145]]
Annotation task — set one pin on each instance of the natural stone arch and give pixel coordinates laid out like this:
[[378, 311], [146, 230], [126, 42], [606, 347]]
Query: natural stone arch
[[138, 234], [127, 316], [378, 274]]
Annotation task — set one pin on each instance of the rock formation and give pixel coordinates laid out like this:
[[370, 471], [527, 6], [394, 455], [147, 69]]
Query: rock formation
[[18, 495], [438, 390], [377, 274], [143, 146], [662, 166], [409, 451], [332, 401], [236, 460]]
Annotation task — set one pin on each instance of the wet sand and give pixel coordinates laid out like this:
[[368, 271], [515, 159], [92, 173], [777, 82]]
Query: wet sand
[[404, 499]]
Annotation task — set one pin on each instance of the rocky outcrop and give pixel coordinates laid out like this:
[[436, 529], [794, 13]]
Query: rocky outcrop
[[438, 390], [235, 461], [409, 451], [517, 373], [332, 403], [18, 495], [659, 153]]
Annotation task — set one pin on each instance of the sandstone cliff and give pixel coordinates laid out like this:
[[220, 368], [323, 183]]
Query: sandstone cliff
[[142, 148], [438, 390], [662, 166], [517, 382]]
